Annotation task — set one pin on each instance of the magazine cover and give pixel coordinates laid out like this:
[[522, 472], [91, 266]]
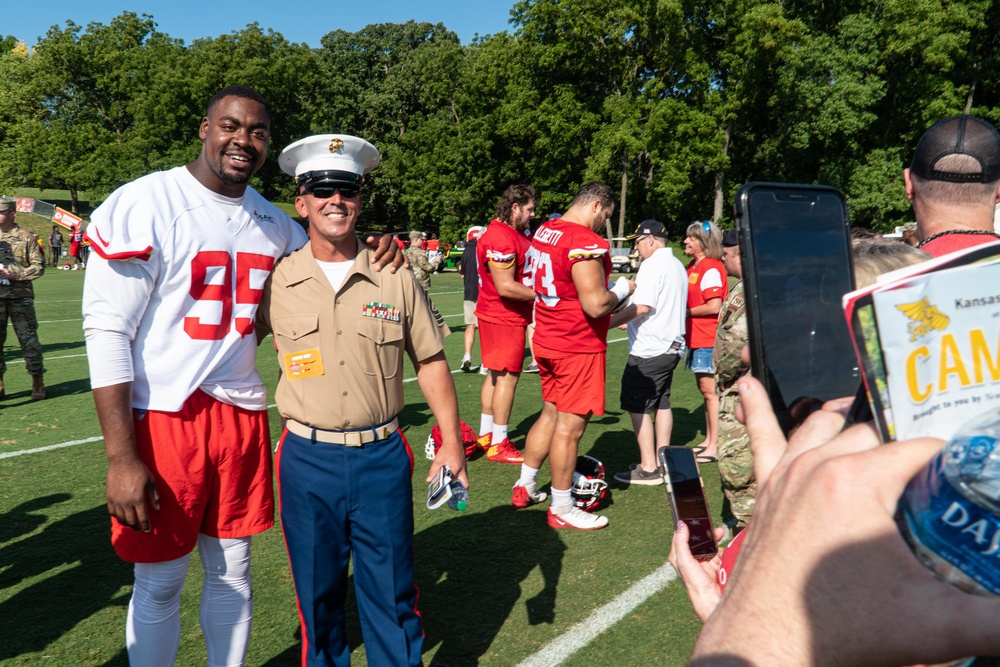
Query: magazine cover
[[940, 341]]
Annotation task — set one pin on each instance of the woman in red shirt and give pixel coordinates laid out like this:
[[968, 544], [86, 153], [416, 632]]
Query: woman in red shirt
[[707, 287]]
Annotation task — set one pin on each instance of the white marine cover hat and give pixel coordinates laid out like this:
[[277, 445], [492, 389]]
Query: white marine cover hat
[[332, 158]]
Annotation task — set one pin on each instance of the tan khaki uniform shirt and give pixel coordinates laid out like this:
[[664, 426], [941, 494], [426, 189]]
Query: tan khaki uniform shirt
[[341, 353]]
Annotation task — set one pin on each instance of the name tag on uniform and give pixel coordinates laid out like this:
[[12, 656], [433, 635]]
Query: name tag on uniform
[[304, 364]]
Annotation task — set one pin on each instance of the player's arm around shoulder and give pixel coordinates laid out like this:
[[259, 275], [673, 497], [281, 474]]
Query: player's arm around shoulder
[[592, 289]]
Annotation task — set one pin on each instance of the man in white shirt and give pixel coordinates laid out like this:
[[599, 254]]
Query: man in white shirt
[[655, 319]]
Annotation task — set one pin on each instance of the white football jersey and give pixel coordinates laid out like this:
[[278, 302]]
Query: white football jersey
[[180, 272]]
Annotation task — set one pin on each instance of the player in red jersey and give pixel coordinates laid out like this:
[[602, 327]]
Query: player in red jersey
[[570, 269], [504, 312]]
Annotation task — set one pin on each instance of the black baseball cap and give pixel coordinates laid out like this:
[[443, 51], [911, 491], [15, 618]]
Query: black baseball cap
[[730, 239], [959, 135], [650, 227]]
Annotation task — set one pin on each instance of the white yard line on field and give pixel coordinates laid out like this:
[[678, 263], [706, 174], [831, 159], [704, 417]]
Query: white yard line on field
[[557, 651], [36, 450], [10, 323], [48, 358]]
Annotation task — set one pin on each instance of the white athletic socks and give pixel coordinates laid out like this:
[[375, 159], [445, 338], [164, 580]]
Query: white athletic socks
[[153, 625], [226, 601], [528, 476], [485, 424], [562, 501], [499, 433]]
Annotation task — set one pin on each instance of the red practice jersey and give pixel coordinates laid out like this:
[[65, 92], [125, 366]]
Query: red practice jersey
[[503, 246], [706, 280], [561, 326]]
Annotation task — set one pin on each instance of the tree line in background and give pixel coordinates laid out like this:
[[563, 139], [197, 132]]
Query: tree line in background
[[673, 103]]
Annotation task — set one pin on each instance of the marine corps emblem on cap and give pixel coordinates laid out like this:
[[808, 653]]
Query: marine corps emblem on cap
[[336, 144]]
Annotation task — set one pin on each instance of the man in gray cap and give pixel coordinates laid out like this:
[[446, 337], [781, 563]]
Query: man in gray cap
[[344, 469], [954, 184], [21, 261], [655, 317]]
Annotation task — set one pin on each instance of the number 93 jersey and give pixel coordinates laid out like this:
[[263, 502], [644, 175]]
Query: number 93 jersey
[[180, 271], [561, 326]]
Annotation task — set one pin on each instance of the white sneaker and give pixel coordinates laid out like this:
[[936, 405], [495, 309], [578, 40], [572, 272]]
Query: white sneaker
[[483, 370], [577, 519], [466, 364]]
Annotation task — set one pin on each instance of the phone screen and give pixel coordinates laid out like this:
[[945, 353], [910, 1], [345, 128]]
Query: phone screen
[[795, 243], [687, 499]]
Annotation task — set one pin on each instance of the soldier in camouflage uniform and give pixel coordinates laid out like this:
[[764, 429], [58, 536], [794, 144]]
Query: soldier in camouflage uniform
[[735, 460], [421, 266], [21, 261]]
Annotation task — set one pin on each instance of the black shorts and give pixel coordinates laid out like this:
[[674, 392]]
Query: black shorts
[[646, 383]]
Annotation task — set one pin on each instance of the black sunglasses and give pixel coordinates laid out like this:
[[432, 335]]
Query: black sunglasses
[[325, 191]]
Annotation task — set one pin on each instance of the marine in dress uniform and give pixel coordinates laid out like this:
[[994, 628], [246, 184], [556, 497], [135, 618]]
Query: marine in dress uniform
[[344, 468]]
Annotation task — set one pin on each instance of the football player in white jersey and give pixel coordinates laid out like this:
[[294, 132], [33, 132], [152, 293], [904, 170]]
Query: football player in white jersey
[[169, 307]]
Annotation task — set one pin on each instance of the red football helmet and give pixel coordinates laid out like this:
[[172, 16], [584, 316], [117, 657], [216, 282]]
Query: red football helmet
[[434, 441], [589, 489]]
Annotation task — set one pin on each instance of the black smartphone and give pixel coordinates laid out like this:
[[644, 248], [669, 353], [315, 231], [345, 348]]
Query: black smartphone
[[795, 242], [687, 499]]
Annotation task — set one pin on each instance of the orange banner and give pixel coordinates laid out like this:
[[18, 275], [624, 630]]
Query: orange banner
[[25, 204], [65, 218]]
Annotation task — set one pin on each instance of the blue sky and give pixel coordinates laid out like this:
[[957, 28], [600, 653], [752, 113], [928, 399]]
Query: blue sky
[[298, 20]]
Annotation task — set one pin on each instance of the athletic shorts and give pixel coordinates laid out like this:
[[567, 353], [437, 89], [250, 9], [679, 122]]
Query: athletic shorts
[[646, 383], [470, 313], [575, 384], [700, 360], [212, 466], [502, 346]]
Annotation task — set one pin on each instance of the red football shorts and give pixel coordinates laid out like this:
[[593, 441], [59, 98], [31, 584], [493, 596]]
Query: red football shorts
[[574, 383], [502, 346], [212, 466]]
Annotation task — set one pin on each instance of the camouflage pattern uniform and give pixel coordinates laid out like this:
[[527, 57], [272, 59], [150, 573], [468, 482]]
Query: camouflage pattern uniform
[[420, 265], [735, 461], [21, 255]]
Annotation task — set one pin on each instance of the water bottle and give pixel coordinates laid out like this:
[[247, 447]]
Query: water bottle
[[459, 497], [950, 511]]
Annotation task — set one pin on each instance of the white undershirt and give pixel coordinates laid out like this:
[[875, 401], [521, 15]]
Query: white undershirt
[[335, 272]]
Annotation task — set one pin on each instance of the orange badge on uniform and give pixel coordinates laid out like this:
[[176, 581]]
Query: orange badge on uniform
[[304, 364]]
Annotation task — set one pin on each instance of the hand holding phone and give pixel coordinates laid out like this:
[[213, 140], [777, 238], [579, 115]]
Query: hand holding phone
[[687, 499], [439, 490]]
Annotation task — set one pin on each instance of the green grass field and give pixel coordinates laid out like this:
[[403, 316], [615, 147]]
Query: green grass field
[[496, 586]]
